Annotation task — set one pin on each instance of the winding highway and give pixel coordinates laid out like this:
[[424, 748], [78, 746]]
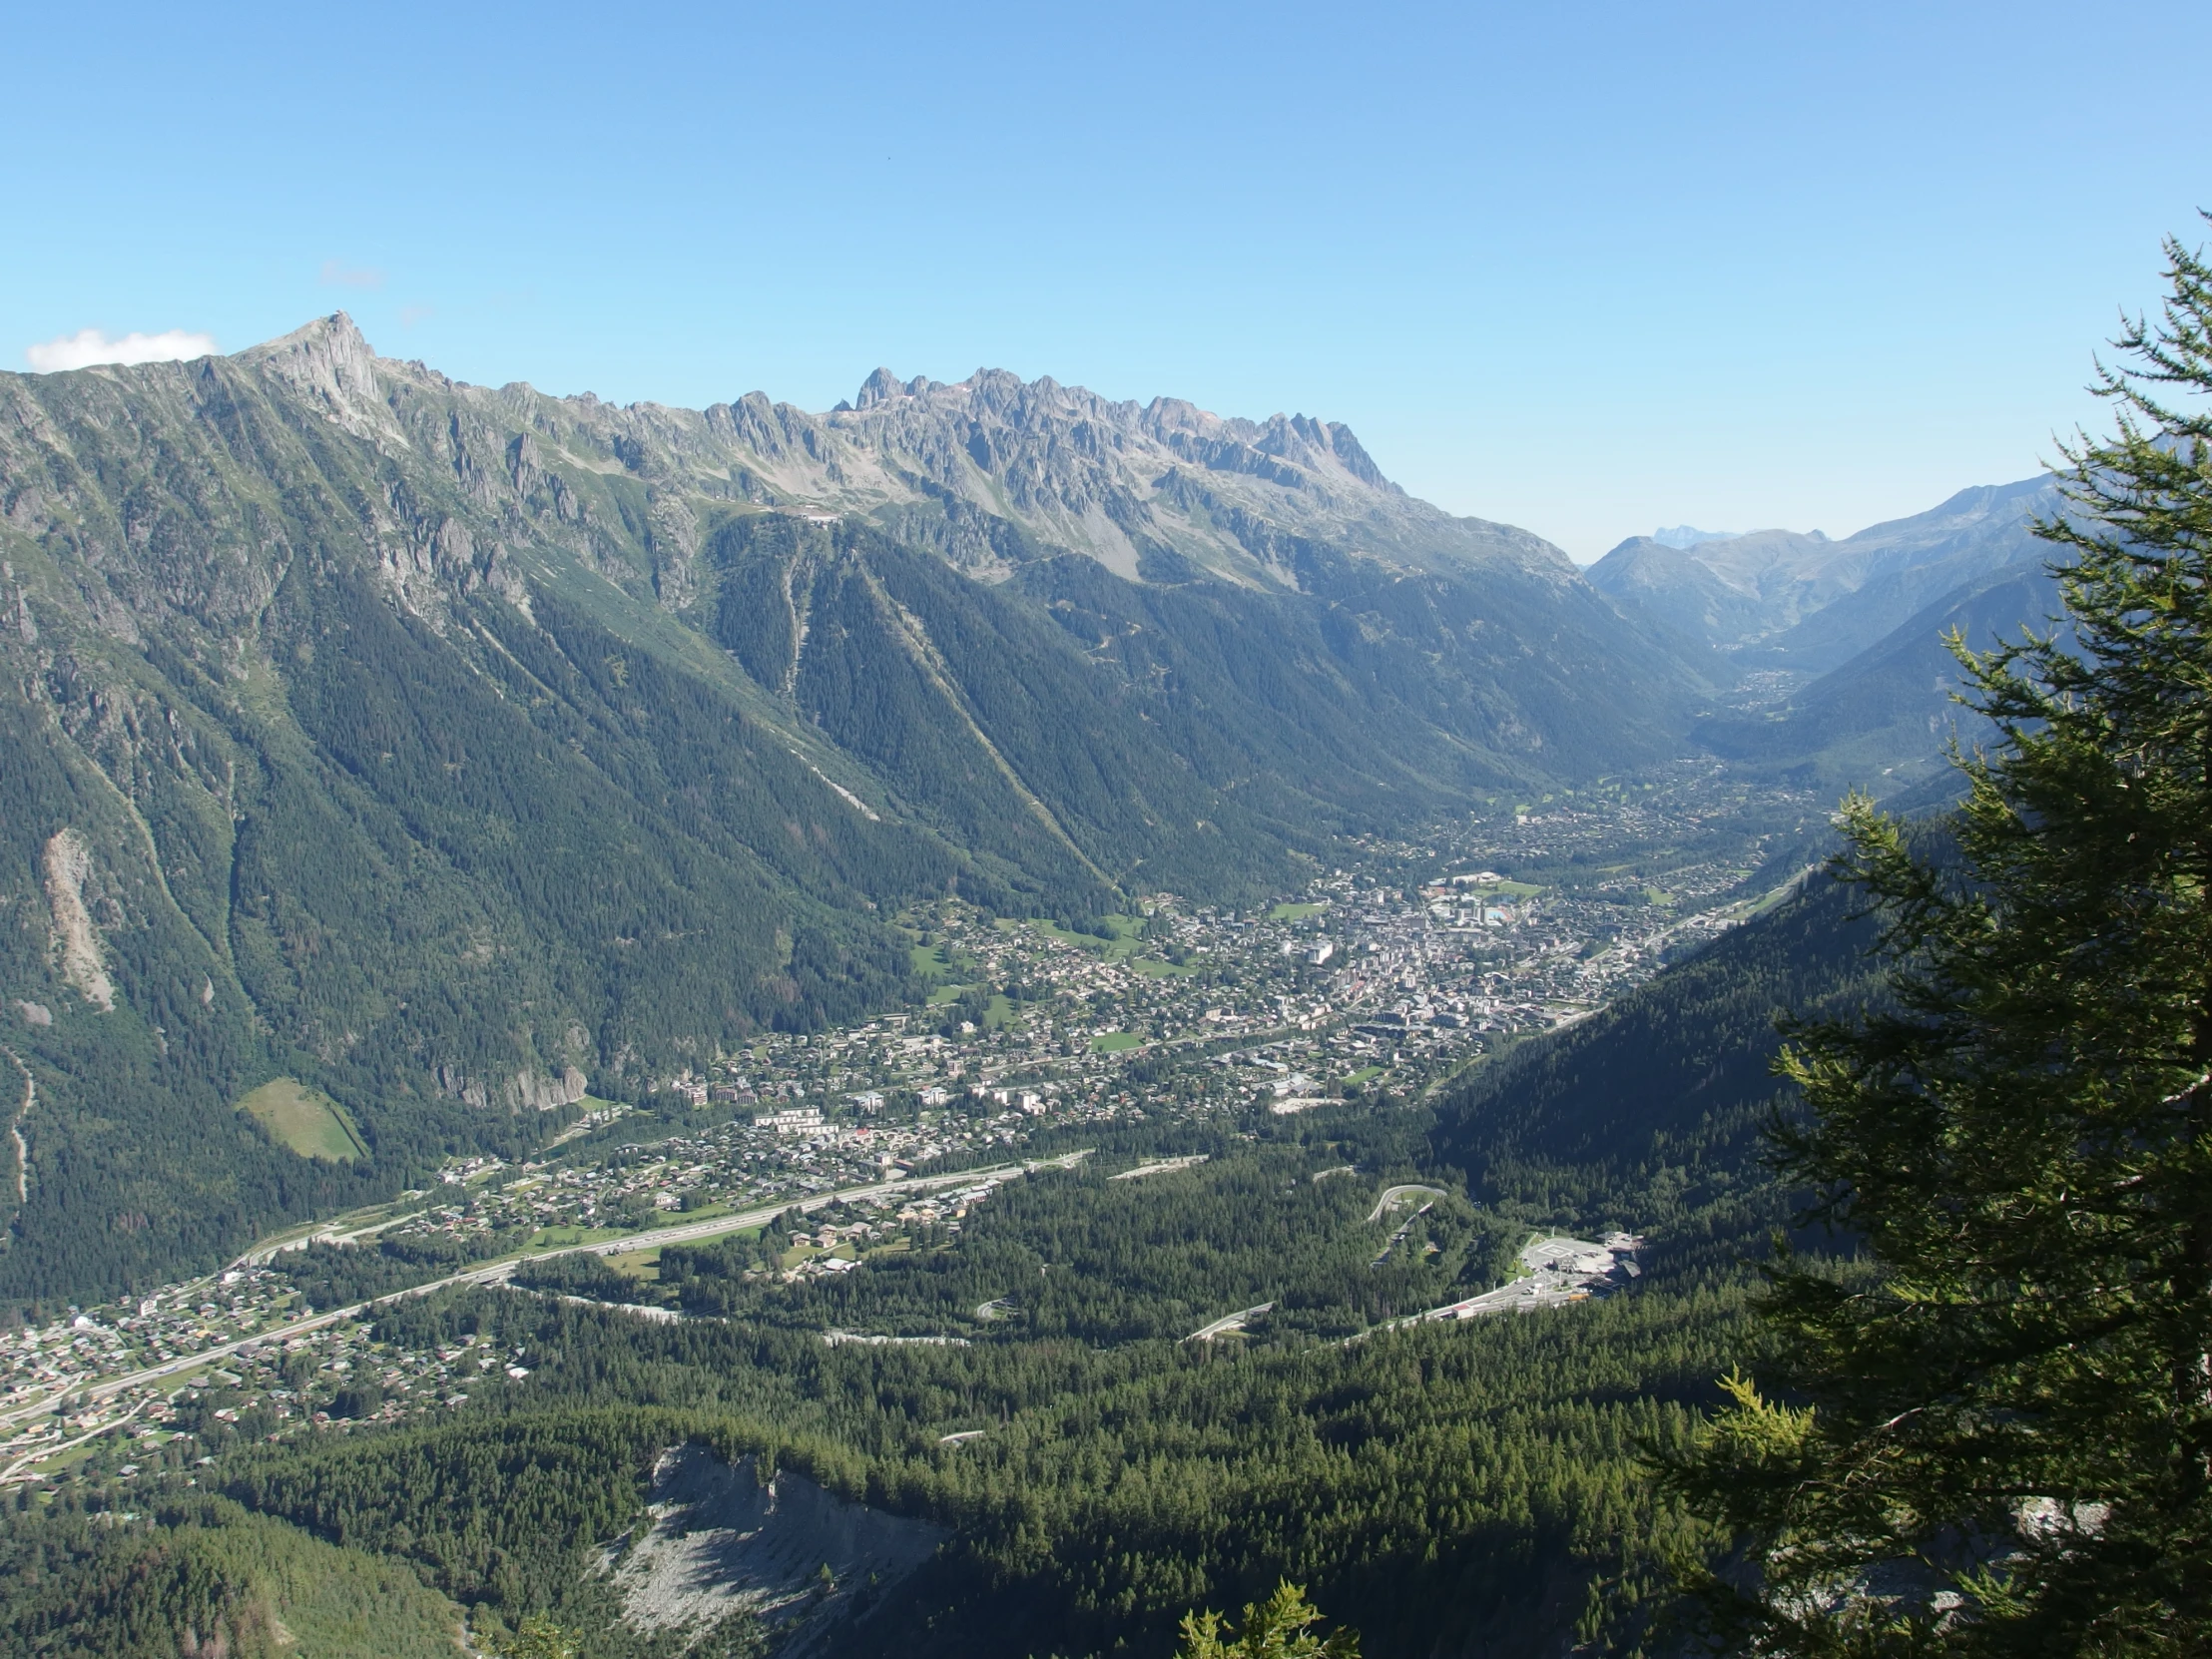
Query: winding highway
[[1391, 1195]]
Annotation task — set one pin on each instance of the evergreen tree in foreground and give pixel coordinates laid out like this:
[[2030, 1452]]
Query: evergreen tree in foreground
[[2003, 1436], [1281, 1627]]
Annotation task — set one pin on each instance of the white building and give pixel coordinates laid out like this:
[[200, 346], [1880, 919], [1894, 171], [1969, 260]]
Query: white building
[[792, 1120]]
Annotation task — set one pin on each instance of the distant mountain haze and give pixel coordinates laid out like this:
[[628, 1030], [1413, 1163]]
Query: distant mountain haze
[[1883, 720], [1688, 535], [1861, 622], [1783, 598]]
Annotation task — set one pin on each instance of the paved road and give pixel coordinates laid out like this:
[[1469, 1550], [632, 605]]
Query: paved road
[[1391, 1195], [1166, 1166], [653, 1240], [261, 1254], [1522, 1296], [1398, 1237], [45, 1452], [1228, 1321]]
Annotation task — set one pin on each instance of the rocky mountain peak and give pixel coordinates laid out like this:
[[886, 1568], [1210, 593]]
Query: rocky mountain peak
[[331, 364], [879, 388], [333, 343]]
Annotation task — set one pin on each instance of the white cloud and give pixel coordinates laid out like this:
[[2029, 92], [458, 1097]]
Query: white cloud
[[88, 345]]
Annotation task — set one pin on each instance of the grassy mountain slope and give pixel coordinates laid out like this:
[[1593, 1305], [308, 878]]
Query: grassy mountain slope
[[445, 856], [977, 715]]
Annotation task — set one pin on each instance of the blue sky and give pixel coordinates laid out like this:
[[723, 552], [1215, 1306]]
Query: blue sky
[[1588, 268]]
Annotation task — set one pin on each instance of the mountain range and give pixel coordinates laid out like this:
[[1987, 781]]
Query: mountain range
[[457, 751], [461, 758]]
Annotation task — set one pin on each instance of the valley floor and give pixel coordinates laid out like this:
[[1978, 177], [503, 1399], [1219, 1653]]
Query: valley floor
[[1380, 979]]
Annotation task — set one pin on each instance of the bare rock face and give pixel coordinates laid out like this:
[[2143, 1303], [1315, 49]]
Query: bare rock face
[[876, 387], [1086, 473], [66, 864], [725, 1540], [539, 1093], [331, 366], [526, 1091]]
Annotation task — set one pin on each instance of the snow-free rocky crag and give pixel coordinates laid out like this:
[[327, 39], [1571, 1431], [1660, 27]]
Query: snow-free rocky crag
[[724, 1539], [458, 749]]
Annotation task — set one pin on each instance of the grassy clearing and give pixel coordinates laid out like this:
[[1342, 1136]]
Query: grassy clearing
[[1154, 968], [555, 1237], [62, 1462], [307, 1120], [1363, 1073], [1295, 912], [642, 1265], [928, 960], [1113, 1042], [1126, 942], [706, 1211]]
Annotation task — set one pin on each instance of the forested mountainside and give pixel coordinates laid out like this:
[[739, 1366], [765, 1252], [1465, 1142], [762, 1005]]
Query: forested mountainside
[[1456, 1488], [211, 1580], [458, 750]]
